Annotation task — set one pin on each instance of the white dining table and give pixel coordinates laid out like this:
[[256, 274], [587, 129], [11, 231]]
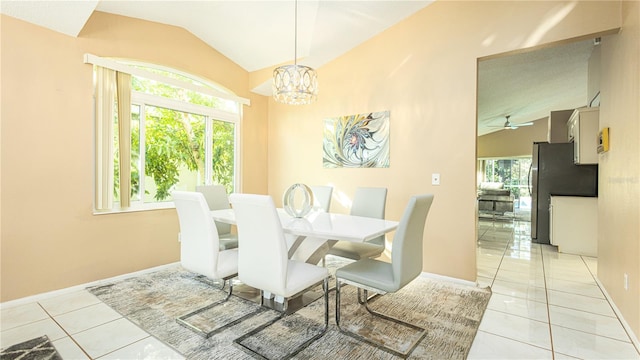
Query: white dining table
[[323, 226]]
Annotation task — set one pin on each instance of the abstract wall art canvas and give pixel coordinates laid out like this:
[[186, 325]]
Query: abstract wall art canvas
[[356, 141]]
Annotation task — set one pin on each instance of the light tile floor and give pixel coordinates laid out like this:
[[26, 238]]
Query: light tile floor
[[545, 304], [80, 327]]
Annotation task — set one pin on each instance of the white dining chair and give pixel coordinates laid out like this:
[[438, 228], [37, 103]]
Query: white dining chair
[[263, 261], [200, 252], [382, 277], [368, 202], [322, 197], [217, 199]]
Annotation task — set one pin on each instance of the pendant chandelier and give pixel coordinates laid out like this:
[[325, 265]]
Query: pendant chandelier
[[295, 84]]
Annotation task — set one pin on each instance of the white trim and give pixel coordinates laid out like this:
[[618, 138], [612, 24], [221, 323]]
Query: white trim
[[625, 325], [237, 171], [449, 279], [142, 155], [137, 206], [208, 149], [72, 289], [114, 65]]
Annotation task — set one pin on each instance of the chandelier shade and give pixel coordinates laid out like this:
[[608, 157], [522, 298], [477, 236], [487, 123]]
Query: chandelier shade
[[295, 84]]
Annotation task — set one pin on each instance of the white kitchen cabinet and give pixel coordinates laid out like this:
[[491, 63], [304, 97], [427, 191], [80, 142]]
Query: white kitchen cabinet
[[574, 224], [582, 130]]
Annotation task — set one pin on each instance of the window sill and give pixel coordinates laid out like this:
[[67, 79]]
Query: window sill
[[137, 208]]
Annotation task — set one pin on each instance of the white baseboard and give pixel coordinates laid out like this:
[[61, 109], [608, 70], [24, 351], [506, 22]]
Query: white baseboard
[[625, 325], [50, 294], [449, 279]]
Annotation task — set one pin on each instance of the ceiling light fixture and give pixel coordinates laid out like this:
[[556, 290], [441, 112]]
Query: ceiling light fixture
[[295, 84]]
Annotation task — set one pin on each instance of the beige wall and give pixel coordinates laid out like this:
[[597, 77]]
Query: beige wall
[[50, 239], [512, 143], [619, 178]]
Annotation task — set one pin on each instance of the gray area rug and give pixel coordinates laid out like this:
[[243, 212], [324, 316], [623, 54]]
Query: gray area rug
[[39, 348], [451, 313]]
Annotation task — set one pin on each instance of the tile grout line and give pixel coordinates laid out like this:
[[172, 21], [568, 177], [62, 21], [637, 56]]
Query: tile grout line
[[548, 320], [546, 294], [64, 330], [504, 253], [70, 336], [512, 339]]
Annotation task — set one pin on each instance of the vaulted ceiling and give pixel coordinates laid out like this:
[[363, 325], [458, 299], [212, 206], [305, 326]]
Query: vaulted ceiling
[[527, 86], [260, 34]]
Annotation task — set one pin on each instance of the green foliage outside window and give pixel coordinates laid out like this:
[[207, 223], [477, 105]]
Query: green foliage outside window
[[175, 141], [223, 154]]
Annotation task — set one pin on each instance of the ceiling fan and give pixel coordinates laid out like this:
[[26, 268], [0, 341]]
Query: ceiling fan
[[509, 126]]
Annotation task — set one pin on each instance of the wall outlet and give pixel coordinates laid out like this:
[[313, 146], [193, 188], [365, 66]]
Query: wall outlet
[[626, 281], [435, 179]]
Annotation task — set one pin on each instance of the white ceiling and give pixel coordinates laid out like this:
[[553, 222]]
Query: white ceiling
[[253, 34], [527, 86], [260, 34]]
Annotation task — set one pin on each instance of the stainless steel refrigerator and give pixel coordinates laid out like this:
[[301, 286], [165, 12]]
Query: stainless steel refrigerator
[[554, 173]]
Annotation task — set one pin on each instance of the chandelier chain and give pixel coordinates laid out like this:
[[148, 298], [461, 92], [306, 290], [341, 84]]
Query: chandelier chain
[[295, 84]]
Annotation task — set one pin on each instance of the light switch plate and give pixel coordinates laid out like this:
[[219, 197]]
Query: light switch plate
[[435, 179]]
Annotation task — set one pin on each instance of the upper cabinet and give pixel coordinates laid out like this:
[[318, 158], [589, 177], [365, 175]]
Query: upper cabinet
[[582, 129]]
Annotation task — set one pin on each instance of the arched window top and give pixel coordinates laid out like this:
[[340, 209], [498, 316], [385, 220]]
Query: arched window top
[[153, 74], [171, 91], [176, 74]]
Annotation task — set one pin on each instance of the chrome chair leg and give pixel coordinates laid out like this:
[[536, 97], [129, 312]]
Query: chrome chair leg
[[214, 283], [404, 355], [338, 304], [183, 320], [370, 298], [283, 314]]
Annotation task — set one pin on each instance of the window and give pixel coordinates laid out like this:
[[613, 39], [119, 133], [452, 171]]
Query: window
[[175, 136], [514, 174]]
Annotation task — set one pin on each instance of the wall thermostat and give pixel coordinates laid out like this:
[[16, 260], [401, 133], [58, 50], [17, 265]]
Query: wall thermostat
[[603, 140]]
